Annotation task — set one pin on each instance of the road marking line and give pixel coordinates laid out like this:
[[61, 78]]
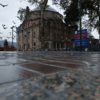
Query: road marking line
[[34, 71], [59, 61], [87, 63], [51, 95], [52, 65]]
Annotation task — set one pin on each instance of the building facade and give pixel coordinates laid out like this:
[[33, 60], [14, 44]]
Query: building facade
[[54, 35]]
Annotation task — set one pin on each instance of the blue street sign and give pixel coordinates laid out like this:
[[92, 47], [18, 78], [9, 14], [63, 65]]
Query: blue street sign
[[82, 31], [84, 44], [79, 39], [78, 42], [77, 45], [84, 37], [84, 40]]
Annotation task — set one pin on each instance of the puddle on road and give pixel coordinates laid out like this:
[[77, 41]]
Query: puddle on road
[[17, 61], [12, 73], [3, 63], [42, 68]]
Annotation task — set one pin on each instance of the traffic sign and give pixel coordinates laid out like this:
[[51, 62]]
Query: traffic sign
[[78, 35], [82, 31], [83, 38], [79, 45], [79, 40]]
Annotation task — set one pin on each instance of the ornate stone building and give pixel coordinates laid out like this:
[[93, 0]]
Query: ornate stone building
[[55, 36]]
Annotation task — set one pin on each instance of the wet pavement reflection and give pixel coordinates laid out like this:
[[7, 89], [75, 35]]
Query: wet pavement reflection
[[12, 73], [23, 65], [42, 68], [49, 75]]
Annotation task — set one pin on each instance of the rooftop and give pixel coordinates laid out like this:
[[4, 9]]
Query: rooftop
[[48, 8]]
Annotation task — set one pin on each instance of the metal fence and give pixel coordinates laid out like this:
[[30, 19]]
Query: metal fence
[[90, 47]]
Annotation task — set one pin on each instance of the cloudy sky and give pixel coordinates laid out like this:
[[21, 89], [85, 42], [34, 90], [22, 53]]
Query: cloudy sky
[[9, 13]]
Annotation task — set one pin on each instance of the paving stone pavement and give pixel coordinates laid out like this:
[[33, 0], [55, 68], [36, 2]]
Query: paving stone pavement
[[79, 83], [67, 85]]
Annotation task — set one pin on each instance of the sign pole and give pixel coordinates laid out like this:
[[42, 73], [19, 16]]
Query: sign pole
[[80, 30]]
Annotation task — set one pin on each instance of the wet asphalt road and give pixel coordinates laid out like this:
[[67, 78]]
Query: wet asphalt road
[[15, 66]]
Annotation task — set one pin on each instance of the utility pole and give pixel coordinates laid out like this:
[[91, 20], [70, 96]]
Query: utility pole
[[12, 34], [80, 14]]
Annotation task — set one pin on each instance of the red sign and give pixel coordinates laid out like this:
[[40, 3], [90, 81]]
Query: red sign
[[78, 35], [85, 34]]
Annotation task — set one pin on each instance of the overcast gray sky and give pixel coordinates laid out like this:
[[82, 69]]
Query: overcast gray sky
[[9, 13]]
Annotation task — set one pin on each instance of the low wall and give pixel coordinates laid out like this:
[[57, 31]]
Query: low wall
[[1, 48], [8, 48]]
